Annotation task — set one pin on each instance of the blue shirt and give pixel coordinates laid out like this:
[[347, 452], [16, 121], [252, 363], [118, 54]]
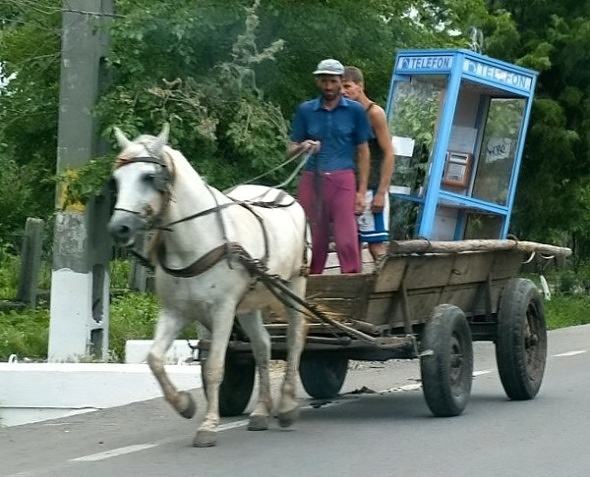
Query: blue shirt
[[339, 131]]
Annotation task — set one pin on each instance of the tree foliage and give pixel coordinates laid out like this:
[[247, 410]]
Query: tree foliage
[[29, 70], [552, 37], [228, 74]]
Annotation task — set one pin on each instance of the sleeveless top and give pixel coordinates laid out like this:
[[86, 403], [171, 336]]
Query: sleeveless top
[[376, 154]]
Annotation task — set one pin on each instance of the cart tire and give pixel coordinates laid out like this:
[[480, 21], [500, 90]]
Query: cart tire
[[521, 341], [446, 363], [322, 375], [236, 388]]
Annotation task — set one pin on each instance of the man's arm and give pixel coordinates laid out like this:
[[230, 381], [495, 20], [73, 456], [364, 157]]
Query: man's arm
[[379, 122], [363, 175]]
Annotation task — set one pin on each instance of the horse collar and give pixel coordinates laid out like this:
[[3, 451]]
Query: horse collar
[[204, 263]]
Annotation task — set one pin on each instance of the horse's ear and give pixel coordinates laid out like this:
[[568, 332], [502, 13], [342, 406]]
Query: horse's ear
[[161, 140], [121, 138]]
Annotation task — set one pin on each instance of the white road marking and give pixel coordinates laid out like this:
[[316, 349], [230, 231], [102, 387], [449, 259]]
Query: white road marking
[[479, 373], [410, 387], [399, 389], [113, 453], [570, 353], [232, 425]]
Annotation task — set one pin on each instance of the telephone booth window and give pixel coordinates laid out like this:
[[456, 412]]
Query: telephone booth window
[[498, 151], [413, 122]]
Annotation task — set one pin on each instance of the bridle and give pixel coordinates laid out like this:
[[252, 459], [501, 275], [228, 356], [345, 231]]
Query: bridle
[[163, 180]]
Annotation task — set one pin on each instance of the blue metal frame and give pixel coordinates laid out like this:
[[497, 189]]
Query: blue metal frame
[[440, 150], [517, 161], [512, 80]]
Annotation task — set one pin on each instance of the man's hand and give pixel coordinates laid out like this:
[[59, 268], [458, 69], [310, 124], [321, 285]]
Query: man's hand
[[378, 202], [310, 146], [359, 203]]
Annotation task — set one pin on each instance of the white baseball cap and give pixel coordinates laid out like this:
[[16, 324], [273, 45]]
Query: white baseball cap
[[329, 67]]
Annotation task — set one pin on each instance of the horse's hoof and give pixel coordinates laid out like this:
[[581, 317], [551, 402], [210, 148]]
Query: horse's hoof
[[286, 419], [205, 439], [187, 407], [258, 423]]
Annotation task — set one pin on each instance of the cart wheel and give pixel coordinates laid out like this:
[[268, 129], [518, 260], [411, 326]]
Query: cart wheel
[[521, 341], [238, 381], [447, 361], [322, 375]]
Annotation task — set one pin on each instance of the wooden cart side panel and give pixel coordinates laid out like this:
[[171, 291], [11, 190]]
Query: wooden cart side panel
[[437, 270], [507, 264], [387, 308], [390, 275], [344, 295], [431, 271], [339, 286]]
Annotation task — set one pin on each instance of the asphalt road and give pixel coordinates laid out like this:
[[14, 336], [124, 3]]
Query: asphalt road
[[387, 433]]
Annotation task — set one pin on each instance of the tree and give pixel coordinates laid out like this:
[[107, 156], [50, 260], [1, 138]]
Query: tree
[[29, 59], [226, 74], [552, 37]]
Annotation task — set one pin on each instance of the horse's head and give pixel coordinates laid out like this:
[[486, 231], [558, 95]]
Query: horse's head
[[143, 178]]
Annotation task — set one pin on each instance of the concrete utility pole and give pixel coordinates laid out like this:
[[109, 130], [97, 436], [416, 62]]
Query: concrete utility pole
[[81, 251]]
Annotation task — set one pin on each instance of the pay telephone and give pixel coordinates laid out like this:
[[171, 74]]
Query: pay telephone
[[457, 172]]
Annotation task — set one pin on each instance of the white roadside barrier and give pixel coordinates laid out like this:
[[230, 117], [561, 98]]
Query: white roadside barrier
[[180, 352], [33, 392]]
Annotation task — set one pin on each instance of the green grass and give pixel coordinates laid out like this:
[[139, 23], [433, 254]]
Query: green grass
[[562, 311], [132, 316], [9, 269], [24, 333], [119, 273], [565, 308]]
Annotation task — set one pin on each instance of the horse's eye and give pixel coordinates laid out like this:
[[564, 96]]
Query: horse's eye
[[148, 178]]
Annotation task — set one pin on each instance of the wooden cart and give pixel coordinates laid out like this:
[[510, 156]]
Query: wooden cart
[[426, 300]]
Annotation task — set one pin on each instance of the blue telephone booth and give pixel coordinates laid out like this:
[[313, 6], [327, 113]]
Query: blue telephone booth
[[458, 121]]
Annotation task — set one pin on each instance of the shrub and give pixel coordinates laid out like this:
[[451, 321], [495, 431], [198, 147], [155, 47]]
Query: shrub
[[568, 282], [24, 333], [15, 206], [132, 316], [564, 311], [119, 273], [9, 269]]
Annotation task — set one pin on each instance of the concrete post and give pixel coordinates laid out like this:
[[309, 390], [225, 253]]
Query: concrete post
[[30, 262], [81, 252]]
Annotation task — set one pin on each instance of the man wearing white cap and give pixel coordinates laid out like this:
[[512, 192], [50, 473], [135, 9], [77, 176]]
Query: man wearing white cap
[[334, 130]]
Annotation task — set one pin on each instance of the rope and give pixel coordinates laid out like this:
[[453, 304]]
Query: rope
[[281, 165], [295, 172]]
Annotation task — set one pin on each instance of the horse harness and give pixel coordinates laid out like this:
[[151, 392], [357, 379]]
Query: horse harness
[[162, 181]]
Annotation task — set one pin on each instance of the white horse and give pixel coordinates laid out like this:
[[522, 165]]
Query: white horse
[[198, 276]]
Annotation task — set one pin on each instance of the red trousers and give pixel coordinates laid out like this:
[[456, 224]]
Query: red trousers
[[328, 199]]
